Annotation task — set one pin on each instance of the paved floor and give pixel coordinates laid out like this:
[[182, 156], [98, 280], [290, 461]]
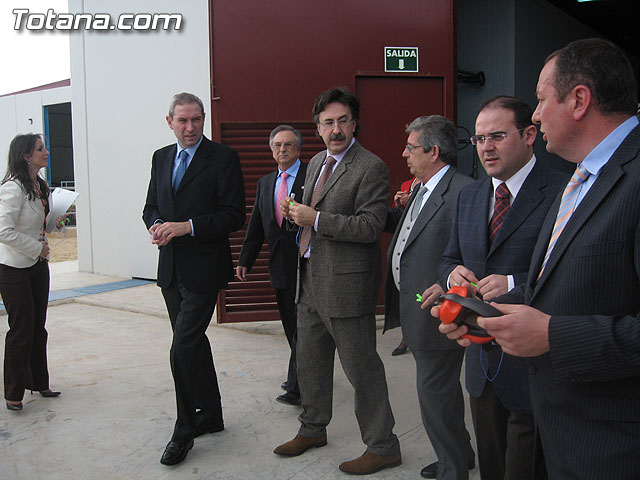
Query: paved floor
[[108, 354]]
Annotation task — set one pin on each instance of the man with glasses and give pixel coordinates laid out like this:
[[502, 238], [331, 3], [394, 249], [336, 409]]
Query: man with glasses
[[341, 214], [421, 233], [496, 225], [267, 223], [579, 326]]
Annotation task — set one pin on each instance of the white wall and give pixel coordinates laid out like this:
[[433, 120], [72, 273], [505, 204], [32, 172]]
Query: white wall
[[23, 113], [122, 85]]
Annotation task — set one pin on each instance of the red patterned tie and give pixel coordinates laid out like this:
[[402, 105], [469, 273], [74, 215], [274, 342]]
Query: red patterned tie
[[305, 236], [500, 210], [283, 191]]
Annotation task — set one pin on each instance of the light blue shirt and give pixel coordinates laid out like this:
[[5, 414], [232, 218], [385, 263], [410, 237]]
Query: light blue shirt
[[191, 151], [599, 156], [292, 171]]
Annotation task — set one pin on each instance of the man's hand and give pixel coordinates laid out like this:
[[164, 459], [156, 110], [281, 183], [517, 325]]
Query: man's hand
[[401, 198], [302, 215], [284, 207], [493, 286], [241, 273], [522, 331], [163, 233], [430, 295], [462, 276], [452, 330]]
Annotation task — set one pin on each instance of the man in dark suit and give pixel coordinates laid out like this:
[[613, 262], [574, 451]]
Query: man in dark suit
[[580, 326], [421, 232], [495, 227], [342, 214], [267, 223], [195, 199]]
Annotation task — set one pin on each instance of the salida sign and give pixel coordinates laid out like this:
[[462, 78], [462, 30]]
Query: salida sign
[[400, 59]]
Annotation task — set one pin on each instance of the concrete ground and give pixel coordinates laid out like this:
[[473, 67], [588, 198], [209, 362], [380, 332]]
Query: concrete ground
[[108, 354]]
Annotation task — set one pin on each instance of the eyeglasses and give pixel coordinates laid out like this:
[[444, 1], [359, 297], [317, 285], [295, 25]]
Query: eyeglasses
[[496, 137], [410, 148], [287, 145], [342, 122]]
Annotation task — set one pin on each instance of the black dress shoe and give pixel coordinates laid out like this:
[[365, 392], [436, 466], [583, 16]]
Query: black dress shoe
[[208, 426], [289, 399], [175, 453], [284, 386], [14, 407], [431, 470]]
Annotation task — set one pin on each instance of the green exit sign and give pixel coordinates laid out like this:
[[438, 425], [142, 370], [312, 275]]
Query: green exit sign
[[400, 59]]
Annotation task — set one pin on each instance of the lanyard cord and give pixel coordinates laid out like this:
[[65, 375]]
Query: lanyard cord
[[484, 369]]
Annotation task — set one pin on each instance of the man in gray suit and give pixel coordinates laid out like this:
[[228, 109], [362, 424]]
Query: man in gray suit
[[421, 234], [342, 214]]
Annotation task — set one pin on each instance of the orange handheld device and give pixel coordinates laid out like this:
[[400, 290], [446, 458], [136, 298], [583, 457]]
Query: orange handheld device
[[457, 307]]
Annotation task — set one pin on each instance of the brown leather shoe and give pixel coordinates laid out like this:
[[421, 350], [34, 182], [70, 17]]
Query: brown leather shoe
[[299, 445], [370, 463]]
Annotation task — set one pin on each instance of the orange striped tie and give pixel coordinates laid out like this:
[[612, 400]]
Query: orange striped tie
[[567, 206]]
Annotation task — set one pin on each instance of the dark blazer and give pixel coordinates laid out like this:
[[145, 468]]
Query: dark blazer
[[419, 264], [283, 251], [345, 251], [510, 254], [211, 193], [585, 392]]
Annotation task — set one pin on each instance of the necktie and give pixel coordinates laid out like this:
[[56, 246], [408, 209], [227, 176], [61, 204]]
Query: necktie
[[500, 210], [182, 167], [281, 195], [305, 236], [567, 206], [417, 202]]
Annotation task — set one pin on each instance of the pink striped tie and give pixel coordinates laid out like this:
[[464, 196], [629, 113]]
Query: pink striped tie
[[283, 191], [567, 206]]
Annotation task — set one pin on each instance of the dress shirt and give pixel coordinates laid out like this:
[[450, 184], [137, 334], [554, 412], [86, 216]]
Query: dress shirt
[[514, 184], [407, 224], [176, 162], [292, 171], [600, 155], [338, 157], [431, 184]]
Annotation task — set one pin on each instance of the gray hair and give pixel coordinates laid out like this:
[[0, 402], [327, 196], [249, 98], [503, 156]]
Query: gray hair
[[184, 99], [440, 131], [286, 128]]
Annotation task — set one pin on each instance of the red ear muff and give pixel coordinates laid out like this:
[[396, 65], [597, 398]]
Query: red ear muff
[[457, 307]]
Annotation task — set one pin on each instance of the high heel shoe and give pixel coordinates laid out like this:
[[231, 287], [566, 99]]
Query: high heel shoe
[[48, 393], [14, 407]]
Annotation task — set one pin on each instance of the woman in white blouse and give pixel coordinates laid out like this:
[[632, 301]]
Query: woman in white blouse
[[24, 269]]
